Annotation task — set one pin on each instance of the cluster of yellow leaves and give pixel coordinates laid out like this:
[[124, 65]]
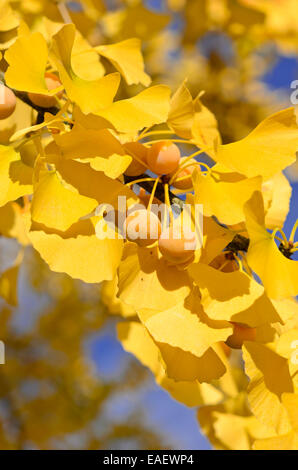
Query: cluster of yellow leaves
[[178, 320]]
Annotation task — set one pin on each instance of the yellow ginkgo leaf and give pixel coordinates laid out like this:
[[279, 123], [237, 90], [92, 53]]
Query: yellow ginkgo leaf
[[224, 193], [97, 147], [15, 176], [78, 252], [95, 184], [85, 61], [9, 23], [17, 121], [269, 379], [136, 339], [287, 346], [127, 58], [183, 328], [204, 129], [108, 295], [233, 296], [184, 366], [8, 18], [149, 107], [146, 281], [91, 95], [278, 273], [276, 194], [15, 222], [57, 204], [182, 112], [27, 59], [287, 441], [267, 150], [215, 239], [290, 401], [288, 312], [233, 430]]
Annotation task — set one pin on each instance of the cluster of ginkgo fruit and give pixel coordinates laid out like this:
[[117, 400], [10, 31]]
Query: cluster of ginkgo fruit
[[144, 226]]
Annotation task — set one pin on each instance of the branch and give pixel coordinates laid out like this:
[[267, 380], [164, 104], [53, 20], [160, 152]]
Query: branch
[[24, 97]]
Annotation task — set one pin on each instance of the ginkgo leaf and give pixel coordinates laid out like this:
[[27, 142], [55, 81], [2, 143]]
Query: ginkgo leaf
[[127, 58], [15, 176], [78, 252], [146, 281], [136, 339], [91, 95], [276, 194], [290, 401], [27, 59], [182, 112], [269, 378], [85, 62], [15, 222], [50, 121], [285, 343], [108, 295], [56, 204], [9, 22], [267, 150], [287, 310], [204, 129], [181, 327], [224, 193], [278, 273], [17, 121], [97, 147], [215, 239], [287, 441], [149, 107], [184, 366], [8, 18], [287, 346], [233, 430], [95, 184], [233, 296]]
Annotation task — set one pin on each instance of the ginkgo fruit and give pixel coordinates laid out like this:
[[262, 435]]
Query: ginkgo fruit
[[142, 226], [177, 245], [45, 101], [240, 334], [163, 158], [185, 173], [7, 102]]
